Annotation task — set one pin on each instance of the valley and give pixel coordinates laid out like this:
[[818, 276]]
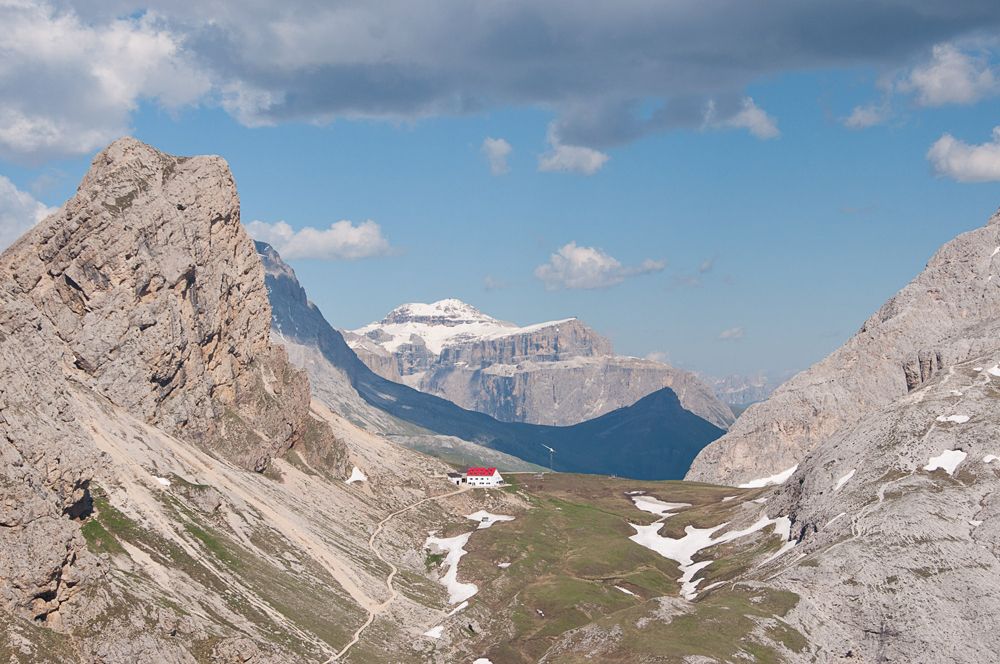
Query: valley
[[200, 469]]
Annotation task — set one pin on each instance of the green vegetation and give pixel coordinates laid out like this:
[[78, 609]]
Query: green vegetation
[[570, 551]]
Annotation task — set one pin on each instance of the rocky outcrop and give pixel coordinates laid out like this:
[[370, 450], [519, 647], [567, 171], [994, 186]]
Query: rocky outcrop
[[142, 292], [154, 298], [557, 373], [897, 518], [936, 321]]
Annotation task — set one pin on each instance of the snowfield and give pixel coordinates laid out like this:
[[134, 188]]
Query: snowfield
[[957, 419], [435, 632], [780, 478], [947, 461], [657, 507], [452, 322], [356, 476], [485, 519], [682, 550], [457, 591]]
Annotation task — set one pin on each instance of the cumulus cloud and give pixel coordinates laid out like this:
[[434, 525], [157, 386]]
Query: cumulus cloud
[[585, 268], [497, 150], [68, 86], [749, 116], [562, 158], [952, 77], [343, 240], [958, 160], [19, 211], [731, 334], [862, 117]]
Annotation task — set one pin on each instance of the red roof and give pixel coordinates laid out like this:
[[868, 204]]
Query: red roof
[[481, 472]]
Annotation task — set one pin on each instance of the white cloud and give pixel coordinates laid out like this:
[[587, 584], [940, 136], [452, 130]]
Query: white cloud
[[731, 334], [497, 150], [952, 77], [584, 268], [562, 158], [19, 211], [863, 117], [343, 240], [69, 87], [491, 283], [750, 116], [658, 356], [961, 161]]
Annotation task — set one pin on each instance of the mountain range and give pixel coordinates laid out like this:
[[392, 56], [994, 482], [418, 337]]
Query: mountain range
[[175, 488], [652, 438], [559, 372]]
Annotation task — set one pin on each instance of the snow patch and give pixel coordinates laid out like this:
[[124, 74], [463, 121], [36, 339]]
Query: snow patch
[[626, 591], [458, 608], [356, 476], [682, 550], [435, 632], [457, 591], [486, 519], [947, 461], [162, 480], [780, 478], [503, 565], [656, 506], [726, 499], [995, 252], [994, 370], [977, 369], [990, 458], [957, 419], [482, 660], [844, 480], [828, 523]]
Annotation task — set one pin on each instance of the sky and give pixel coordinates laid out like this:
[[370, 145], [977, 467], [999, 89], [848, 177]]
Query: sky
[[728, 186]]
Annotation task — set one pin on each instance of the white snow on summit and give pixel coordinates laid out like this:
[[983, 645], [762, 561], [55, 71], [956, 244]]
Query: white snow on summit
[[439, 324]]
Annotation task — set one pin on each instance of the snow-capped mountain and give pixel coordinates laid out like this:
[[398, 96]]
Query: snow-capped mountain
[[437, 325], [558, 372]]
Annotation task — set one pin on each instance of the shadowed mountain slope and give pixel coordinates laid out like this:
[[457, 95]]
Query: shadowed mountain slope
[[653, 438]]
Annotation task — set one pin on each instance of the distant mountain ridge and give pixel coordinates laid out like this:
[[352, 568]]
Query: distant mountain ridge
[[558, 372], [653, 438]]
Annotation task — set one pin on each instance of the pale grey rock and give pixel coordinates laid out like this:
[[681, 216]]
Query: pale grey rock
[[901, 563], [941, 318], [557, 373], [143, 293]]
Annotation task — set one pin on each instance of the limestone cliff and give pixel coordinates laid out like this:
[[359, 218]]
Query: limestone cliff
[[934, 322], [557, 373], [141, 297]]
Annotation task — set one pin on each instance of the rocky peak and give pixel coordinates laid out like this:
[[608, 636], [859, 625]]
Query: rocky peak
[[448, 313], [155, 299]]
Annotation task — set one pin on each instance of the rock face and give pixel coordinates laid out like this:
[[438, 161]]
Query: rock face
[[938, 320], [560, 372], [739, 391], [898, 519], [143, 293]]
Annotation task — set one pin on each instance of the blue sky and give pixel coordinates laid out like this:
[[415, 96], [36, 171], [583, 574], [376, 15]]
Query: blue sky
[[783, 229]]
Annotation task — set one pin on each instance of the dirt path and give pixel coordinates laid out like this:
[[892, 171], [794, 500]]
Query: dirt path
[[376, 611]]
